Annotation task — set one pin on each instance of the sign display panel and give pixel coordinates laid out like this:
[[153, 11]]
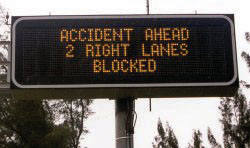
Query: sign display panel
[[123, 51]]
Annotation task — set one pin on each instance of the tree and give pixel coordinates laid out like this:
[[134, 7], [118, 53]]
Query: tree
[[236, 121], [246, 57], [74, 113], [32, 123], [59, 137], [197, 142], [26, 123], [4, 38], [166, 137], [247, 35], [212, 140]]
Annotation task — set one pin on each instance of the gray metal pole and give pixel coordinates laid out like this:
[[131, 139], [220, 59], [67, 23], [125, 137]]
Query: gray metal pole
[[147, 7], [124, 122]]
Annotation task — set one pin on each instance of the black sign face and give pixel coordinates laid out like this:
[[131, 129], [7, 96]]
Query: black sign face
[[123, 51]]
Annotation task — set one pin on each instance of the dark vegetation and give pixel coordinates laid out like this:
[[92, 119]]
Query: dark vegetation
[[235, 121]]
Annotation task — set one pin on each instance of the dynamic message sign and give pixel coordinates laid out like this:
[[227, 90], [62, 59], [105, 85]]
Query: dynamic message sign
[[123, 51]]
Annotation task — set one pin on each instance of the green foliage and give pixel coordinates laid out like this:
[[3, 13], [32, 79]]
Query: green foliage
[[59, 137], [166, 137], [4, 37], [74, 113], [197, 142], [246, 57], [236, 121], [25, 123], [31, 123], [212, 139]]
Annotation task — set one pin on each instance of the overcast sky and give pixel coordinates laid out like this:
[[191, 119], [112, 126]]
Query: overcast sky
[[183, 114]]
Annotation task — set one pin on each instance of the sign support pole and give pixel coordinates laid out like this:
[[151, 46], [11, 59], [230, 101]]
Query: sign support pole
[[147, 7], [124, 122]]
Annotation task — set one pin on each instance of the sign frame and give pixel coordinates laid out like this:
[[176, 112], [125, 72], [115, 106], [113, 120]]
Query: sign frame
[[146, 85]]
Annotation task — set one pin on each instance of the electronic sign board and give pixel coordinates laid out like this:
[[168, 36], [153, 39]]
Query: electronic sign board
[[139, 51]]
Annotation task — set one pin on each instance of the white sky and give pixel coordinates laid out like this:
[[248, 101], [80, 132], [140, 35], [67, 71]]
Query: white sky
[[183, 114]]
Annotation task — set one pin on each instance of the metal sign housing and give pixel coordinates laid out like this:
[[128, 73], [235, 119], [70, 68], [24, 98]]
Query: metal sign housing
[[122, 52]]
